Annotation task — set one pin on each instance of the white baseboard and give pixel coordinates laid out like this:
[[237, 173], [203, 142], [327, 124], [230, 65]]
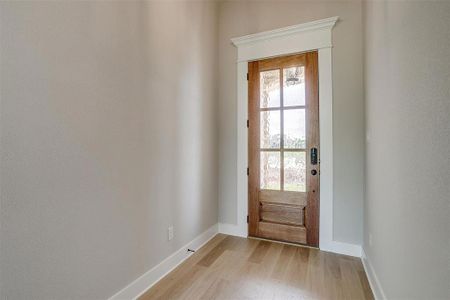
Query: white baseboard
[[143, 283], [232, 229], [341, 248], [374, 283]]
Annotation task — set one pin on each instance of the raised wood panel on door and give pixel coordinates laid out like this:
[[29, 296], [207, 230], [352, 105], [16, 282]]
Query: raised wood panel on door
[[286, 197], [278, 213]]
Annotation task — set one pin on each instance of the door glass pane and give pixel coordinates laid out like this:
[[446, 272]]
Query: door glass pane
[[269, 88], [295, 171], [294, 129], [270, 170], [270, 129], [294, 86]]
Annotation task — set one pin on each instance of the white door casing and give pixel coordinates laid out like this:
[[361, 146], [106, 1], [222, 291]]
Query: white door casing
[[316, 35]]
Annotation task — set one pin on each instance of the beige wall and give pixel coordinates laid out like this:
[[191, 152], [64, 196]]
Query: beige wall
[[407, 209], [239, 18], [108, 136]]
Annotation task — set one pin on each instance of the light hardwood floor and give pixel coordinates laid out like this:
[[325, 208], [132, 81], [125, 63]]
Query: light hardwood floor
[[230, 267]]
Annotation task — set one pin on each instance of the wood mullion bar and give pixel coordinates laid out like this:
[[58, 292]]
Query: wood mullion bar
[[285, 149], [284, 108], [281, 132], [294, 150], [270, 149]]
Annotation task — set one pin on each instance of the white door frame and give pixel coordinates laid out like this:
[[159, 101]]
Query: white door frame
[[305, 37]]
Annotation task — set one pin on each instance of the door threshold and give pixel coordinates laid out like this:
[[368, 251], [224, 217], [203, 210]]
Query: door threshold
[[282, 242]]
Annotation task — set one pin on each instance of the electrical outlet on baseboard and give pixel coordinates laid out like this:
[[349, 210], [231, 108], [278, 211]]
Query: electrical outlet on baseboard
[[170, 233]]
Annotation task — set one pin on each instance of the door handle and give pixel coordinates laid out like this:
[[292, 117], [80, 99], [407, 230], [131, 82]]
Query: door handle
[[314, 156]]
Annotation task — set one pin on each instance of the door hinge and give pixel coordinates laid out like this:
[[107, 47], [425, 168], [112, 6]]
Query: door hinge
[[247, 76], [248, 123], [248, 171], [247, 219]]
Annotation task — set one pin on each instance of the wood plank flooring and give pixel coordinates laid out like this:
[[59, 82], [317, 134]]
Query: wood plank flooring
[[229, 267]]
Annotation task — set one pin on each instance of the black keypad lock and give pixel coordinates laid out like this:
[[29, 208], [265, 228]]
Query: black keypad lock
[[314, 156]]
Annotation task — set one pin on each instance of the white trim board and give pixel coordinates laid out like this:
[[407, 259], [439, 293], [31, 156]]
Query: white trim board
[[148, 279], [372, 277], [342, 248], [305, 37], [232, 229]]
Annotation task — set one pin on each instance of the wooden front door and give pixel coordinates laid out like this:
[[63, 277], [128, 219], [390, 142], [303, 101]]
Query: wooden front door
[[284, 149]]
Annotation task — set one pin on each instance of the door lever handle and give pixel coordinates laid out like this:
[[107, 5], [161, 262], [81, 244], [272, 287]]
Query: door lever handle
[[314, 156]]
